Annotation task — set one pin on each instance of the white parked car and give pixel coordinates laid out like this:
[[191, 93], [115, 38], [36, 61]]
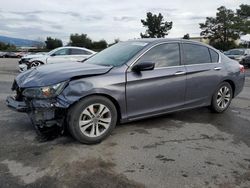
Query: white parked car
[[58, 55]]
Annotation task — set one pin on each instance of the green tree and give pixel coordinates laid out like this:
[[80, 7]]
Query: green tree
[[243, 23], [80, 40], [186, 36], [7, 47], [3, 46], [117, 40], [156, 26], [53, 43], [99, 45], [221, 29]]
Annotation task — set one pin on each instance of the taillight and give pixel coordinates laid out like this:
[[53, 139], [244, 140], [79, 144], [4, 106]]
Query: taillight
[[242, 69]]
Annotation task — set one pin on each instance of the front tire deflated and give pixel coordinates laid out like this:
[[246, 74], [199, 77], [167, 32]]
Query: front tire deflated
[[92, 119]]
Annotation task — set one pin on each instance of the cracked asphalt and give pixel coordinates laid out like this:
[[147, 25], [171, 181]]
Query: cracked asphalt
[[195, 148]]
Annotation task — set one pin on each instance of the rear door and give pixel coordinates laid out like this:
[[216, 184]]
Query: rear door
[[204, 73], [158, 90]]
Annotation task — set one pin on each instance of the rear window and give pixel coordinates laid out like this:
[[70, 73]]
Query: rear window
[[214, 56], [196, 54]]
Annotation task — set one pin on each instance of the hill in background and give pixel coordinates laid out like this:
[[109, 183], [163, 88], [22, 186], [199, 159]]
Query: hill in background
[[20, 42]]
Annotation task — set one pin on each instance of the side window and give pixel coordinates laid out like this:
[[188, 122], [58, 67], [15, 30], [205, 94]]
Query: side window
[[79, 52], [64, 51], [196, 54], [163, 55], [214, 56]]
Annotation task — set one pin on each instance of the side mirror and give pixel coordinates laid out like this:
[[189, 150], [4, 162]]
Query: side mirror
[[144, 66]]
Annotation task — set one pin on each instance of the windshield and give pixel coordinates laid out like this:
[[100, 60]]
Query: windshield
[[117, 54], [235, 52], [52, 51]]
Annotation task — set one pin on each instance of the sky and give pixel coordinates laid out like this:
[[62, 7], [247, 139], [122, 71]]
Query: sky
[[102, 19]]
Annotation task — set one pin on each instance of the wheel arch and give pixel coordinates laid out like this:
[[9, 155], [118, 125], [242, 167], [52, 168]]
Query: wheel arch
[[35, 60], [112, 99], [232, 84], [30, 63]]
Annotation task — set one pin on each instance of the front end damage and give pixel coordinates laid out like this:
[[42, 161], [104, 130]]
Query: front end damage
[[47, 115], [45, 93]]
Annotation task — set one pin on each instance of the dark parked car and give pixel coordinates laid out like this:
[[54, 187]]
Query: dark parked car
[[246, 61], [242, 55], [11, 55], [128, 81]]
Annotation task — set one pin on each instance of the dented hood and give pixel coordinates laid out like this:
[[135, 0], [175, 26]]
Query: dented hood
[[55, 73]]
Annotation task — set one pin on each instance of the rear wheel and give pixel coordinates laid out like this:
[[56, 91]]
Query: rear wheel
[[222, 97], [92, 119]]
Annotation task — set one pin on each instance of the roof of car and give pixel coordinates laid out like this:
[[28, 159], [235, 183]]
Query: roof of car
[[153, 41], [149, 40], [158, 40], [74, 47]]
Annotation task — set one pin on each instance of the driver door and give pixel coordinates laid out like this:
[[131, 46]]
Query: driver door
[[161, 89]]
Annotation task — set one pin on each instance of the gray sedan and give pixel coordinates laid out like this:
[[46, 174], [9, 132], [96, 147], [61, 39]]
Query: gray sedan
[[128, 81]]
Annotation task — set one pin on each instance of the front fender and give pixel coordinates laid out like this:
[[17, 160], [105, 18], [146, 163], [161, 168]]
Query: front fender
[[97, 85]]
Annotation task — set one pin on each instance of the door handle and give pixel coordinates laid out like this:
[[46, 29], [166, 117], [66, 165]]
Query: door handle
[[179, 73], [217, 68]]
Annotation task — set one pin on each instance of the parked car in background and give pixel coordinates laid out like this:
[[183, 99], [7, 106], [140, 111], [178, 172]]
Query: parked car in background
[[242, 55], [20, 54], [26, 58], [58, 55], [11, 55], [125, 82], [2, 54], [246, 61]]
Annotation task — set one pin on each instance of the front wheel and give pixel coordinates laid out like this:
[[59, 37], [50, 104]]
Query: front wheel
[[92, 119], [222, 97], [35, 64]]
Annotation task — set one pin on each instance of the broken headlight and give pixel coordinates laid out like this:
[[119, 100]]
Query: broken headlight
[[45, 92]]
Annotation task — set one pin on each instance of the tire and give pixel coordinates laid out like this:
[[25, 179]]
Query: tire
[[34, 64], [222, 97], [98, 116]]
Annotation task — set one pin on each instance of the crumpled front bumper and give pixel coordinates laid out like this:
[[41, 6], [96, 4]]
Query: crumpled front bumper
[[43, 113], [19, 106]]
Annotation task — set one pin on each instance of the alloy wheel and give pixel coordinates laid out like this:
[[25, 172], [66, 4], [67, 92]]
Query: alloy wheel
[[95, 120], [223, 97]]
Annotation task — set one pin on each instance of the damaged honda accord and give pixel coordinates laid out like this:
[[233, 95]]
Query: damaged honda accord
[[127, 81]]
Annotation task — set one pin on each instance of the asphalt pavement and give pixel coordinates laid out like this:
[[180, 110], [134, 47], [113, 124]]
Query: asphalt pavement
[[194, 148]]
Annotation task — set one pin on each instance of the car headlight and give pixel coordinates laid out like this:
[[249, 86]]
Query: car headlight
[[45, 92]]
